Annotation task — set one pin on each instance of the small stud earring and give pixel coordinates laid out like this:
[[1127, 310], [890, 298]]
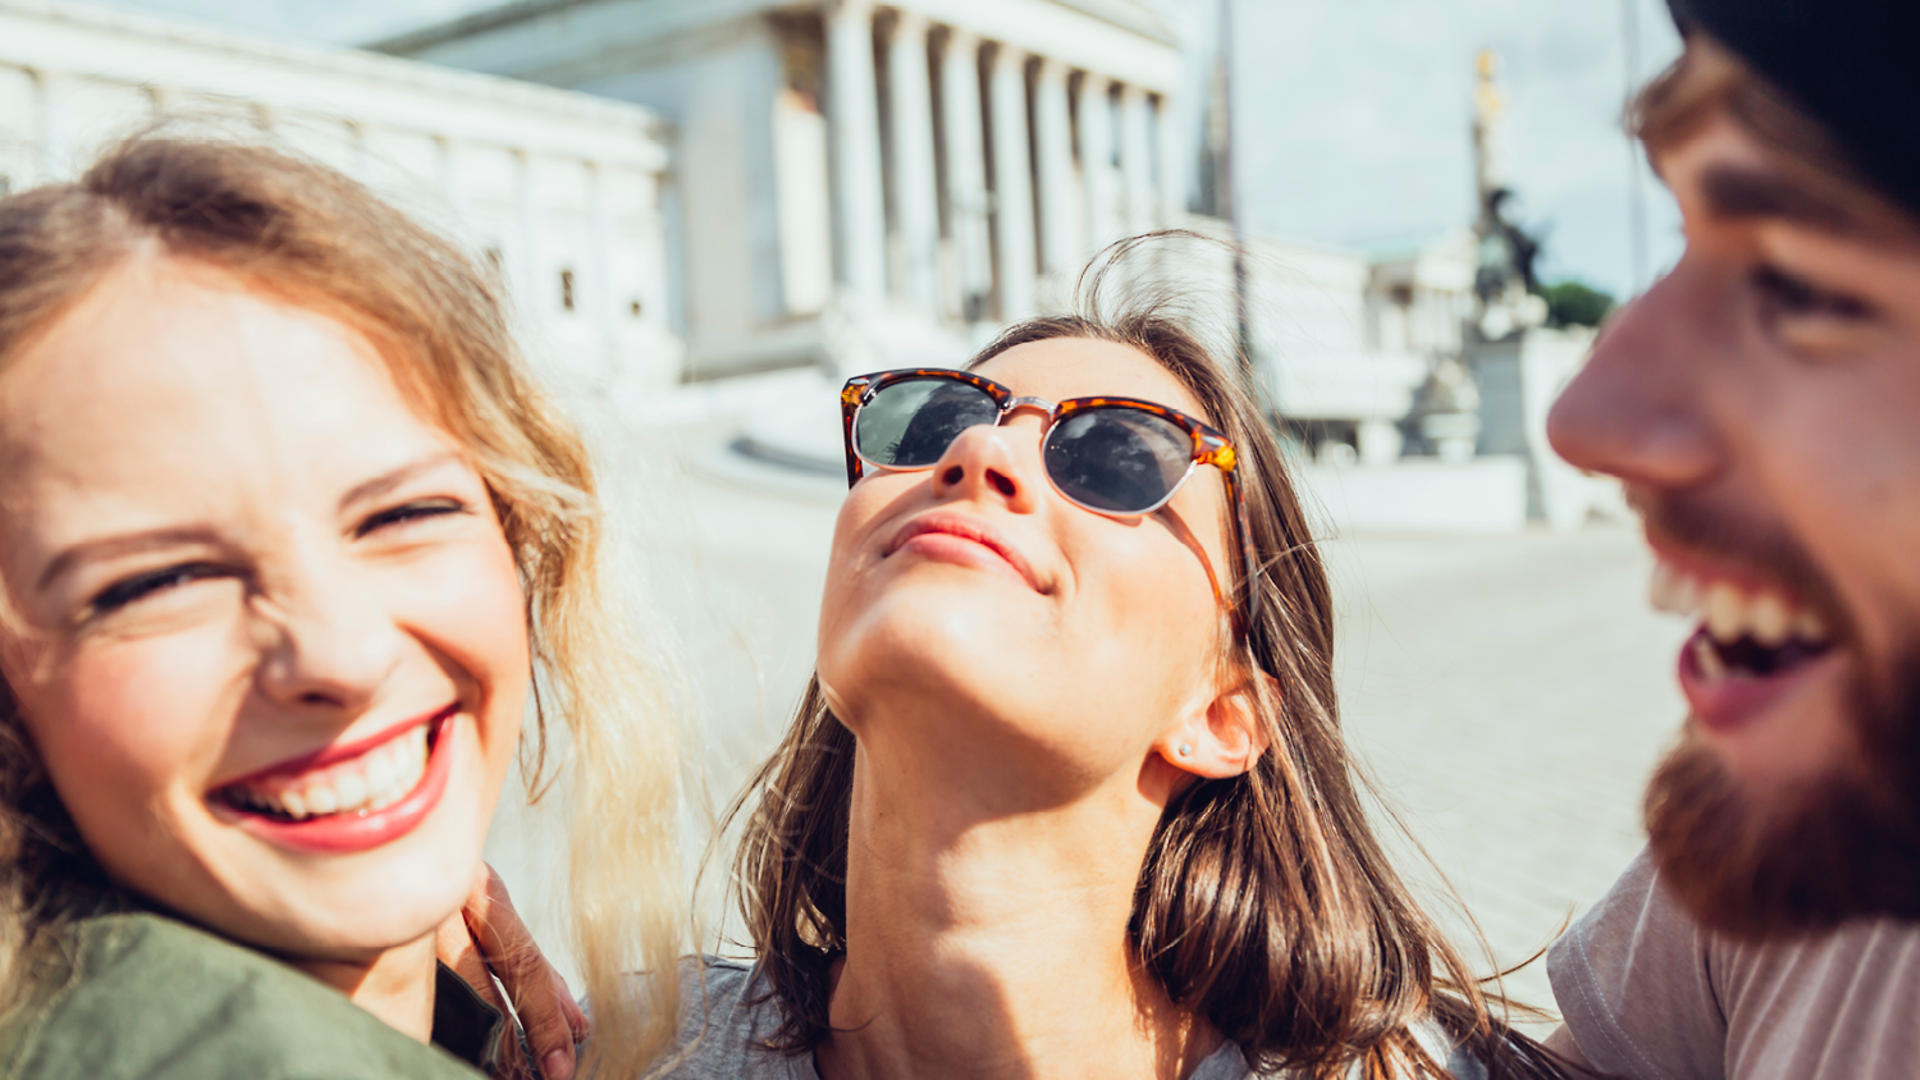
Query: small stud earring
[[1185, 750]]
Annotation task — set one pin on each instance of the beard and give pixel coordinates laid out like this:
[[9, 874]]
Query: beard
[[1755, 865]]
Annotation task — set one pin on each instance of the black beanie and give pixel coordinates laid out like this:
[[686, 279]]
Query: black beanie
[[1851, 65]]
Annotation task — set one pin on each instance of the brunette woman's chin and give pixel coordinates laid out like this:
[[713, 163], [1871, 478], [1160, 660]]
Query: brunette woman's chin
[[963, 638], [998, 730]]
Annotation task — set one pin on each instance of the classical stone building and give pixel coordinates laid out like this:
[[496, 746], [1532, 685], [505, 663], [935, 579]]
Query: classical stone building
[[561, 190], [712, 188], [862, 183]]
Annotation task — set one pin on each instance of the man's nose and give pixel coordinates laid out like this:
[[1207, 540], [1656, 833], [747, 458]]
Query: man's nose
[[1636, 410]]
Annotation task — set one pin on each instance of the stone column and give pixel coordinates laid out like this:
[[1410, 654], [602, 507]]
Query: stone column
[[966, 143], [595, 287], [1012, 184], [1173, 167], [1136, 159], [1060, 249], [853, 113], [915, 187], [1096, 161]]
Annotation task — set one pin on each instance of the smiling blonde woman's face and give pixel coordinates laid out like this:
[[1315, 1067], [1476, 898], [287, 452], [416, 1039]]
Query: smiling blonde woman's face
[[269, 639]]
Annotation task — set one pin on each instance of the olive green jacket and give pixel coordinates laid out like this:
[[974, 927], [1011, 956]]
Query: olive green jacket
[[151, 998]]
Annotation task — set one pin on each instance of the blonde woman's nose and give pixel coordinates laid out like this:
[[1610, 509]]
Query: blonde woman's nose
[[331, 644]]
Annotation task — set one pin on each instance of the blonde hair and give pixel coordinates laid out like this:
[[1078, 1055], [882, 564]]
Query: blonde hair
[[298, 230]]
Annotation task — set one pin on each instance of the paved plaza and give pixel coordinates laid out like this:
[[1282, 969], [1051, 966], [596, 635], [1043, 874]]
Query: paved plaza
[[1508, 694]]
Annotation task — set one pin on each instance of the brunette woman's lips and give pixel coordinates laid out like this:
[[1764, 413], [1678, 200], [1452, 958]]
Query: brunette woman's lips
[[964, 539], [352, 797]]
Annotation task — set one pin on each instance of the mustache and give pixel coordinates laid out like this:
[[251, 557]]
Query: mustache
[[1685, 523]]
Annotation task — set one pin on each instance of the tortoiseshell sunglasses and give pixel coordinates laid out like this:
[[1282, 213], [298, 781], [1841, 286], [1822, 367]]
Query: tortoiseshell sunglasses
[[1121, 457]]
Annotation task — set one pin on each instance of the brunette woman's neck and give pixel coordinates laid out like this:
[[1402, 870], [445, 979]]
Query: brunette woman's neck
[[397, 986], [987, 944]]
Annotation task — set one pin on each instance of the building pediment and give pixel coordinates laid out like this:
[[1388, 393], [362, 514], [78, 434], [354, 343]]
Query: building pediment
[[1148, 18]]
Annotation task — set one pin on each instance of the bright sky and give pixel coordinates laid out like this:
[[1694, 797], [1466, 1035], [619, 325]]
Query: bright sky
[[1354, 115]]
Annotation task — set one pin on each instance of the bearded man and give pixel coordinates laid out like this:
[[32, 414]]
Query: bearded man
[[1762, 405]]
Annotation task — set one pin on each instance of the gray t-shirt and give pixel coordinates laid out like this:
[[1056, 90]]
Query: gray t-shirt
[[727, 1016], [1648, 994]]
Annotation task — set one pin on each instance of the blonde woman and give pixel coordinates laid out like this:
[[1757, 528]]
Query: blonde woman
[[288, 543]]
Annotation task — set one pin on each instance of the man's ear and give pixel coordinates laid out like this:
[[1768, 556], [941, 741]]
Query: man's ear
[[1224, 736]]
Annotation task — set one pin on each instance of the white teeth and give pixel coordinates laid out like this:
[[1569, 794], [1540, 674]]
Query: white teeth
[[381, 774], [1672, 591], [350, 790], [1730, 612], [374, 781], [1686, 595], [1708, 660], [1770, 620], [1661, 587], [322, 800], [1726, 612]]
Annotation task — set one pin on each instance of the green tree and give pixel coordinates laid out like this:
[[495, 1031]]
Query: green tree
[[1575, 303]]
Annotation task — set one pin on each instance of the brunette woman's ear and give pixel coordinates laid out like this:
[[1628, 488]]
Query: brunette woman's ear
[[1226, 736]]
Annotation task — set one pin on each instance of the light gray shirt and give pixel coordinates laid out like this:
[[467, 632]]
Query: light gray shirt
[[1648, 994], [727, 1017]]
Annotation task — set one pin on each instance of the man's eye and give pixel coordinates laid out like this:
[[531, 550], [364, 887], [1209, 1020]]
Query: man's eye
[[409, 513], [141, 586], [1787, 295]]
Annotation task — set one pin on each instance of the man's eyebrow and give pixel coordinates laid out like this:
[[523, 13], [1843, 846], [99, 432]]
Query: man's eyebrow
[[109, 547], [1741, 192], [387, 481]]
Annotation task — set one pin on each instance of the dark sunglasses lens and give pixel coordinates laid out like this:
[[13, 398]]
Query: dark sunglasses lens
[[909, 424], [1121, 461]]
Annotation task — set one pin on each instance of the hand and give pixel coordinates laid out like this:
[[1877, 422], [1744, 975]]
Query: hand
[[486, 940]]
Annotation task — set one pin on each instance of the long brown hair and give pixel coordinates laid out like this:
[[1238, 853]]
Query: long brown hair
[[298, 230], [1266, 904]]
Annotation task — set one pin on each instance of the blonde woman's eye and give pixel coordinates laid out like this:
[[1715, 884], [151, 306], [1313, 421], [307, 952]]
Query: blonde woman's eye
[[140, 587], [409, 513]]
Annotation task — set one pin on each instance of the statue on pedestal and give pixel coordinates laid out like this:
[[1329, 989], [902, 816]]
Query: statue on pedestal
[[1505, 280]]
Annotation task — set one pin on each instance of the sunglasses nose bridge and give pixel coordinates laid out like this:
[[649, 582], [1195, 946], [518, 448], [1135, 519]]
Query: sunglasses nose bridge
[[1033, 404]]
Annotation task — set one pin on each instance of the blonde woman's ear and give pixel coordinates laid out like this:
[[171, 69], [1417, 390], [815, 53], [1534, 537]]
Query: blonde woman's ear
[[1224, 738]]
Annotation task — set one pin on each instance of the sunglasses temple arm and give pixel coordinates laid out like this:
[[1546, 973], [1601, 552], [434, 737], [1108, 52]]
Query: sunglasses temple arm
[[1249, 607], [847, 411]]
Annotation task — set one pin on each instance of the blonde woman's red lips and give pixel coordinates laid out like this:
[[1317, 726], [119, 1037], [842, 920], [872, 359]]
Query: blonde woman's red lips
[[346, 801]]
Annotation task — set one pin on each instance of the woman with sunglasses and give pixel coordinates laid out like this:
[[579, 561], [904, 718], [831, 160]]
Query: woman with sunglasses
[[284, 528], [1068, 795]]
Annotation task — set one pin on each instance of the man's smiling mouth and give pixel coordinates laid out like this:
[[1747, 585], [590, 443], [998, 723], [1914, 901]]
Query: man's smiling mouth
[[1745, 631], [1752, 639]]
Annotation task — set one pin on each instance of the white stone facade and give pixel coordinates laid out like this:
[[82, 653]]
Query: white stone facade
[[969, 155], [562, 190]]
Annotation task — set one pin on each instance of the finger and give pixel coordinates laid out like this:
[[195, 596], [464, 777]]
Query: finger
[[454, 946], [552, 1019]]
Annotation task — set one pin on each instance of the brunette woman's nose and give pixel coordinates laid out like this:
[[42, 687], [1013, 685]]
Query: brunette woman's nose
[[981, 465]]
